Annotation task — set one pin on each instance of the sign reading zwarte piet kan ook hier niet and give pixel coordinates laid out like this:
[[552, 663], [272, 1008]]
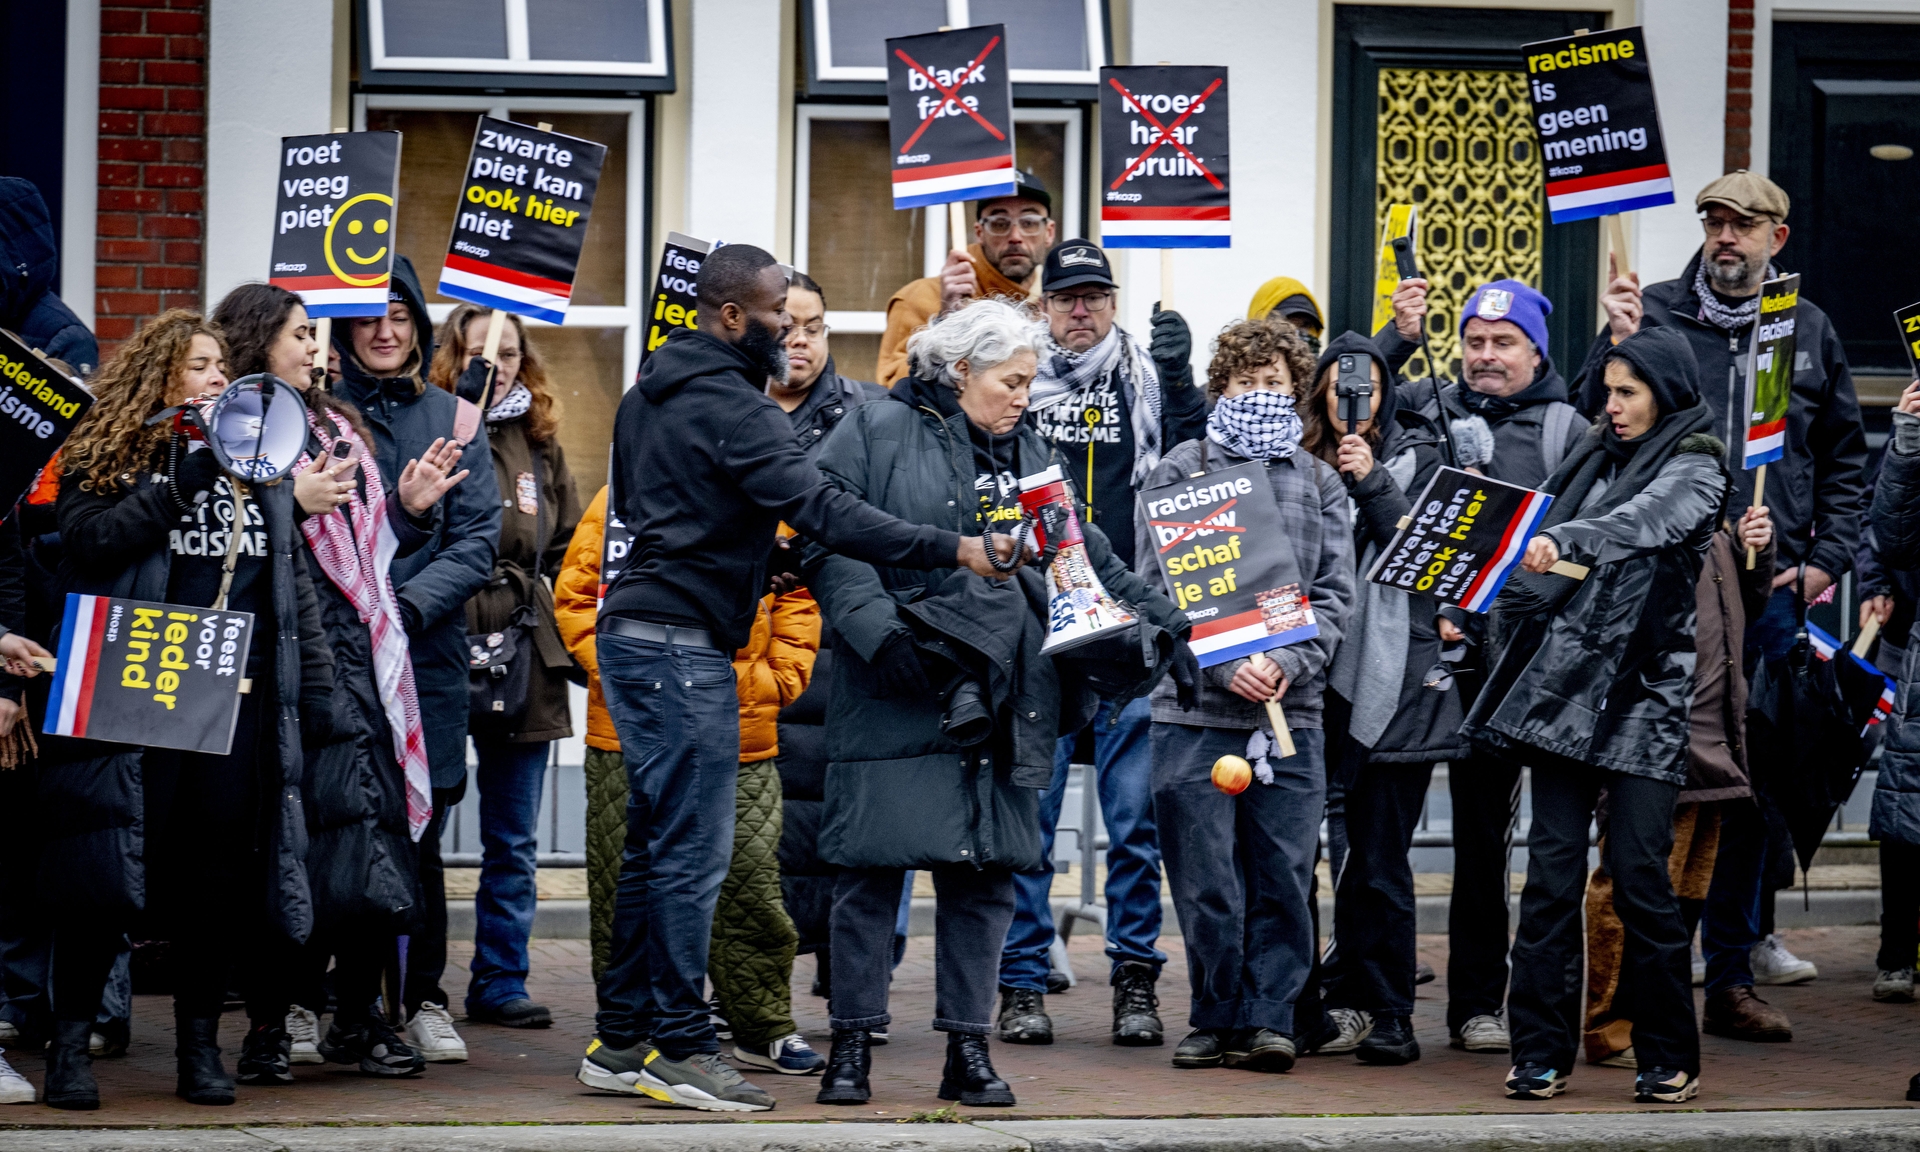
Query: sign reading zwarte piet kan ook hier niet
[[950, 116], [522, 218], [333, 226], [1599, 126], [1163, 158], [1465, 536]]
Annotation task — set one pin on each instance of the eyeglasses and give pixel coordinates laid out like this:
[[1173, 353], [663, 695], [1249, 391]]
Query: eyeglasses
[[1741, 225], [1003, 224], [1095, 302], [814, 330]]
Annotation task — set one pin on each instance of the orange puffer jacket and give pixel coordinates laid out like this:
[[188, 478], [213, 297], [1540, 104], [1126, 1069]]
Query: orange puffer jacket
[[772, 670]]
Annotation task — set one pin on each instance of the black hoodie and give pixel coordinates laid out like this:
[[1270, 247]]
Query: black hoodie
[[705, 467], [29, 260]]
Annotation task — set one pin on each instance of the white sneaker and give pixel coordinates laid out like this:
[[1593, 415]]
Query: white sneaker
[[303, 1036], [1483, 1034], [1354, 1026], [1773, 964], [789, 1056], [9, 1031], [1894, 987], [14, 1088], [98, 1045], [1699, 972], [431, 1034], [1624, 1058]]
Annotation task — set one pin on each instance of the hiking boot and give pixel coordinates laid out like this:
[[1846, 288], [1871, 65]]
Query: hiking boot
[[373, 1045], [702, 1081], [303, 1037], [789, 1056], [1895, 987], [1535, 1082], [1738, 1014], [1259, 1049], [70, 1082], [264, 1056], [202, 1078], [845, 1078], [1664, 1086], [14, 1088], [1391, 1042], [1483, 1034], [1350, 1027], [431, 1034], [519, 1012], [614, 1069], [1135, 1022], [969, 1076], [1773, 964], [1203, 1048], [1023, 1017]]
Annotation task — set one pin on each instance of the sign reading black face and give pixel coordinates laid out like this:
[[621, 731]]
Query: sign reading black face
[[333, 221], [1599, 126], [950, 109], [39, 406], [1163, 158]]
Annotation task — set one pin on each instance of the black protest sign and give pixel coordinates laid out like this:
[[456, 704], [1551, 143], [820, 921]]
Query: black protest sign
[[1465, 536], [522, 219], [1163, 158], [617, 540], [676, 289], [1599, 125], [333, 221], [39, 406], [1908, 319], [950, 112], [1227, 563], [137, 672]]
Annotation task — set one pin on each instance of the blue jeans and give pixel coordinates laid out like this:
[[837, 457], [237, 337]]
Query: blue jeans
[[510, 777], [678, 719], [1123, 764]]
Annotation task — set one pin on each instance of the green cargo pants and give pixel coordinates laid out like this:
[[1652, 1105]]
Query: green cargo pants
[[751, 960]]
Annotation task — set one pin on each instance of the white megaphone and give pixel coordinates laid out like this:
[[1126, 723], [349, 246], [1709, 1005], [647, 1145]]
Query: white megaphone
[[257, 428], [1079, 607]]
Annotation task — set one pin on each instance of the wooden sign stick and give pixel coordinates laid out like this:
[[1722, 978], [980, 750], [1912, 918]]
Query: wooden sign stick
[[957, 226], [1166, 279], [323, 336], [1282, 735], [1759, 491], [496, 323], [1617, 240], [1867, 633]]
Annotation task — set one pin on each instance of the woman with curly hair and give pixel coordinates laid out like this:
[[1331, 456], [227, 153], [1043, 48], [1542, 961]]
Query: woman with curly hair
[[539, 508], [208, 847]]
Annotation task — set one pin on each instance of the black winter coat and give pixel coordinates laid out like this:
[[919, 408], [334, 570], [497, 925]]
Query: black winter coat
[[1896, 528], [29, 261], [91, 798]]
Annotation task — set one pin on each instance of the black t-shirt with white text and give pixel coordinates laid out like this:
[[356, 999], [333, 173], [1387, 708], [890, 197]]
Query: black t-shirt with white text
[[199, 543], [1094, 431]]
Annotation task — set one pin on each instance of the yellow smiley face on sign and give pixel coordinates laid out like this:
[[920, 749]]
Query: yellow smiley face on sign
[[359, 225]]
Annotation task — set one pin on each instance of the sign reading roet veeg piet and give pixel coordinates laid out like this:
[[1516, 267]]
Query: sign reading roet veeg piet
[[333, 221]]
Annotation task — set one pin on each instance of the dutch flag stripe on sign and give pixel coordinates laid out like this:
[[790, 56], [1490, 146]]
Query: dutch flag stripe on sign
[[71, 697], [1513, 545]]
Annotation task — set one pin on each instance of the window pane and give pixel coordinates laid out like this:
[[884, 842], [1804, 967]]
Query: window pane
[[1048, 35], [856, 355], [457, 28], [584, 367], [858, 248], [602, 278], [859, 28], [433, 158], [589, 30], [1041, 149]]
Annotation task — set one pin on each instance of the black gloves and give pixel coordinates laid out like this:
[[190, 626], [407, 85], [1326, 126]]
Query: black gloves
[[475, 381], [196, 473], [1172, 348], [897, 666], [409, 616], [1185, 671]]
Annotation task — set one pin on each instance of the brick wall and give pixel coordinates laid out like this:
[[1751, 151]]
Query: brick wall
[[153, 149], [1739, 84]]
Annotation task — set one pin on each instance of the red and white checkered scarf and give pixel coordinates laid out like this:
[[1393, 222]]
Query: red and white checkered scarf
[[356, 558]]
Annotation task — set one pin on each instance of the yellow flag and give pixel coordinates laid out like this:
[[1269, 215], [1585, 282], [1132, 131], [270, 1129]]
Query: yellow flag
[[1402, 220]]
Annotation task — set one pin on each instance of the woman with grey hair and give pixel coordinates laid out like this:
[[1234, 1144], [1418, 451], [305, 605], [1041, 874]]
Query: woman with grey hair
[[943, 713]]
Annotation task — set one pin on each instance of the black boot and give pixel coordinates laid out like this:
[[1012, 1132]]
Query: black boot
[[70, 1081], [1023, 1017], [196, 1050], [845, 1078], [969, 1076], [1136, 1021]]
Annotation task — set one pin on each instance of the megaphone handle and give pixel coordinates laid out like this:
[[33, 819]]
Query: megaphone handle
[[1282, 735], [234, 532]]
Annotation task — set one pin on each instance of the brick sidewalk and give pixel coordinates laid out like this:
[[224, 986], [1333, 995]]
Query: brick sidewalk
[[1848, 1053]]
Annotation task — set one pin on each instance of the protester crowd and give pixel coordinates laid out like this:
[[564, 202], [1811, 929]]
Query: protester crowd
[[820, 667]]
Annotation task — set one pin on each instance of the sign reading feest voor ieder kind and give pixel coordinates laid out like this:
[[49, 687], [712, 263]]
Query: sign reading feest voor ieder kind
[[1599, 125], [1465, 536], [522, 218], [137, 672], [1228, 565], [1770, 372], [1163, 157], [333, 221], [39, 407], [950, 116], [1908, 321], [676, 289]]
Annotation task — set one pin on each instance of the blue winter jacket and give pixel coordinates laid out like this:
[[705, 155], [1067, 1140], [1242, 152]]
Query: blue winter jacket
[[29, 259]]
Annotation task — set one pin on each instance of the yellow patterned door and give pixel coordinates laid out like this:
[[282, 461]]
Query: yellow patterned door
[[1457, 144]]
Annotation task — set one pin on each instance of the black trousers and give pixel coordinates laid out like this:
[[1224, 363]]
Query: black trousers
[[361, 954], [427, 948], [1548, 999], [1485, 791], [972, 910], [1899, 905], [1373, 910], [25, 930]]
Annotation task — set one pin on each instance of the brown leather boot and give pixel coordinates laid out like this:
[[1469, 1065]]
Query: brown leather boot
[[1738, 1014]]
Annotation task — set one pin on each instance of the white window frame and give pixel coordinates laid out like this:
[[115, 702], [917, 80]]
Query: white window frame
[[960, 16], [624, 316], [517, 58], [1067, 205]]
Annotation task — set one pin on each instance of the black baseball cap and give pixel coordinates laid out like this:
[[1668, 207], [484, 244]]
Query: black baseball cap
[[1026, 186], [1073, 263]]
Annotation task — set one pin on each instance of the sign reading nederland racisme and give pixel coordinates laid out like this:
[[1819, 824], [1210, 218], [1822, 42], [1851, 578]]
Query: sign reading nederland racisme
[[950, 116], [522, 219], [1599, 126], [1770, 372], [1163, 158]]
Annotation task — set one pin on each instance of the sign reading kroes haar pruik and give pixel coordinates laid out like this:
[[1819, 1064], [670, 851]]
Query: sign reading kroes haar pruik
[[950, 116], [1599, 125], [333, 221], [1163, 157], [521, 220], [1465, 536], [39, 407]]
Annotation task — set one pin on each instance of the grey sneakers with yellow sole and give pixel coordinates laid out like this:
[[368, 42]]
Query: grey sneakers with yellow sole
[[702, 1081]]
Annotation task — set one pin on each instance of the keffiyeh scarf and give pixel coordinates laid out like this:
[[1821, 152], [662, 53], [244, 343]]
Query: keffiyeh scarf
[[514, 403], [355, 556], [1259, 425], [1065, 375], [1714, 311]]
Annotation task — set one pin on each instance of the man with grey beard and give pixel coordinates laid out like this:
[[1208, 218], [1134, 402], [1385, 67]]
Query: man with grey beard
[[1817, 496]]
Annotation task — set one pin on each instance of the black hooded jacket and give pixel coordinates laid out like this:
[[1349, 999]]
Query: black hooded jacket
[[29, 259], [705, 467]]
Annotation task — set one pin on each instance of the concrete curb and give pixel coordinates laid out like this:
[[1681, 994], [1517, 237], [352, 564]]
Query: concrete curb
[[1889, 1130]]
